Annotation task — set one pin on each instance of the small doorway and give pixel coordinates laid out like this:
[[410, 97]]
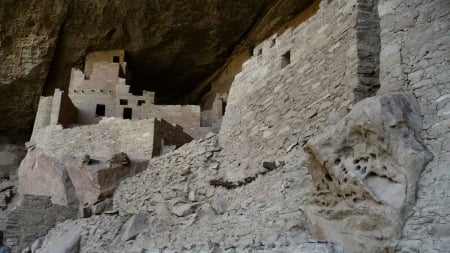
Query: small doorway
[[100, 110], [127, 113]]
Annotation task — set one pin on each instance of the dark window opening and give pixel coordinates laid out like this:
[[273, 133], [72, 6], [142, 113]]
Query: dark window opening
[[273, 42], [286, 59], [260, 52], [100, 110], [116, 59], [224, 106], [250, 51], [123, 102], [127, 113], [140, 102]]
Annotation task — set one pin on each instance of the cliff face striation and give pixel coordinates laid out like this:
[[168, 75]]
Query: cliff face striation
[[172, 45]]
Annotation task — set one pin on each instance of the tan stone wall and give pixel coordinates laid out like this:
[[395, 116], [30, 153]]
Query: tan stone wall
[[110, 136], [167, 134], [43, 113], [104, 56], [67, 112], [272, 105], [415, 57], [187, 116]]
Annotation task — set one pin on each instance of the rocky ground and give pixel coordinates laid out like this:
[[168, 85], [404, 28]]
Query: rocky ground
[[172, 207]]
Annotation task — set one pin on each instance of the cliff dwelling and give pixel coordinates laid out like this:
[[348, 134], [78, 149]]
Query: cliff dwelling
[[101, 94], [298, 126]]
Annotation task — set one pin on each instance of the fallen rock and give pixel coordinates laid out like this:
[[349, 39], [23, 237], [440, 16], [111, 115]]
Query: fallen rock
[[137, 224], [219, 205], [40, 174], [182, 210], [68, 242], [118, 159], [98, 180]]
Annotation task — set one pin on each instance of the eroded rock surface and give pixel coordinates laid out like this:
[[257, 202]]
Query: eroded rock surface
[[365, 171]]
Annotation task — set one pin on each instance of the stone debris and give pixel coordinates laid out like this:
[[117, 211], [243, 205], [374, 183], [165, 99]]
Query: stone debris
[[119, 159], [137, 224]]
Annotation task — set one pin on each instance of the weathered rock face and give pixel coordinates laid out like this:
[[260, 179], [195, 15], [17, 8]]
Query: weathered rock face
[[171, 45], [365, 171], [28, 35]]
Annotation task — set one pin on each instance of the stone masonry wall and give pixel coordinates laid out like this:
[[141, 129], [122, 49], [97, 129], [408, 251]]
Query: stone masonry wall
[[43, 113], [274, 104], [110, 136], [31, 219], [66, 112], [187, 116], [167, 134], [415, 57]]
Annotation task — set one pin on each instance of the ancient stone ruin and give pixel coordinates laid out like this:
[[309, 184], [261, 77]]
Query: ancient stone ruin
[[323, 127]]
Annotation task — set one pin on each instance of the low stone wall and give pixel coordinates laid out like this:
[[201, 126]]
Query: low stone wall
[[31, 219], [187, 116], [167, 134], [100, 140]]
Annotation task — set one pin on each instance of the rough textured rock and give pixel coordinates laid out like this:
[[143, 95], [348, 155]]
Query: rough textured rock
[[42, 175], [28, 33], [172, 177], [96, 181], [70, 181], [365, 171], [68, 242], [137, 224], [10, 157]]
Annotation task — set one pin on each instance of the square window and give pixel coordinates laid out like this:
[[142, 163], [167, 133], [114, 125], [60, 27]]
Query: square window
[[116, 59], [123, 102], [140, 102], [127, 113], [100, 110], [286, 59]]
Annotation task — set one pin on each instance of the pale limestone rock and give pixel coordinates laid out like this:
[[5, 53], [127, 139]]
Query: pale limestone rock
[[36, 244], [182, 210], [219, 204], [365, 171], [137, 224], [67, 242]]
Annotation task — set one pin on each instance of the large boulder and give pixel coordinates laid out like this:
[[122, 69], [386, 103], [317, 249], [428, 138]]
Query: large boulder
[[365, 171], [42, 175], [96, 180]]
